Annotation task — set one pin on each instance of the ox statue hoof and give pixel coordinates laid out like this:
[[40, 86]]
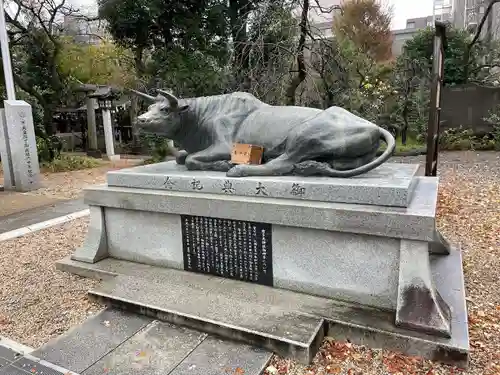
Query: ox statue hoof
[[238, 171]]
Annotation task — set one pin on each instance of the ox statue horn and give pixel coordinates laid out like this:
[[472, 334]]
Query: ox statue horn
[[143, 95], [174, 102]]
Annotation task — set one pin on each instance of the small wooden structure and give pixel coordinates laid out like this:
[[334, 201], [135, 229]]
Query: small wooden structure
[[246, 154], [435, 106]]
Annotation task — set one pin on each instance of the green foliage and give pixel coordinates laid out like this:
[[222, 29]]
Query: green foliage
[[102, 64], [493, 118], [187, 73], [192, 25], [158, 146], [272, 36], [67, 163], [420, 49], [465, 139], [48, 148]]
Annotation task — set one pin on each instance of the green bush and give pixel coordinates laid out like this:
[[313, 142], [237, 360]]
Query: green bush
[[158, 146], [66, 163], [464, 139], [48, 148], [493, 118]]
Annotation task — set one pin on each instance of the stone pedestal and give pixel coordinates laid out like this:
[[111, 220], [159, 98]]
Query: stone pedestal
[[18, 147], [366, 241]]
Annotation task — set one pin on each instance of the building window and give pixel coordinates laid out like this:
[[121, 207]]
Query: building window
[[481, 10], [410, 25]]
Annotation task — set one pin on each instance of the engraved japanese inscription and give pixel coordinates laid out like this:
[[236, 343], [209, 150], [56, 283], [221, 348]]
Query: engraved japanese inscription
[[233, 249]]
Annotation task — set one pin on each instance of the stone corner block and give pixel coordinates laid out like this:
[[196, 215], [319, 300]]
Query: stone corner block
[[420, 307], [95, 247]]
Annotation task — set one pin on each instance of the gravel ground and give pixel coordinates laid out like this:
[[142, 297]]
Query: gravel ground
[[69, 185], [469, 215], [37, 302]]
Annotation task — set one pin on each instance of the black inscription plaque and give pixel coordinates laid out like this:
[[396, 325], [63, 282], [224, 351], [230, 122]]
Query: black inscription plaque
[[234, 249]]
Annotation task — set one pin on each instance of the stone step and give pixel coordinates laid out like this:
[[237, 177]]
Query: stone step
[[214, 305], [119, 342], [213, 302]]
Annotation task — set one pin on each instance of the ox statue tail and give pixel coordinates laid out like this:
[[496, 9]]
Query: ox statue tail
[[391, 146]]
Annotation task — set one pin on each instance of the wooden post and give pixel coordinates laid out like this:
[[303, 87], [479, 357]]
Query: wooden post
[[435, 105]]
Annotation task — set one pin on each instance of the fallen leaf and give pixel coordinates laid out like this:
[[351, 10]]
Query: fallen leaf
[[333, 370]]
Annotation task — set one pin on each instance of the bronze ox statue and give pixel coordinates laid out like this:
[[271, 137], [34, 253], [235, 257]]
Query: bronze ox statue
[[296, 140]]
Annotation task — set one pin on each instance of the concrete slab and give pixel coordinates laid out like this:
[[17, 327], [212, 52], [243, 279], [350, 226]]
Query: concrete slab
[[388, 185], [11, 370], [12, 203], [370, 327], [215, 357], [16, 359], [34, 368], [45, 212], [9, 354], [157, 349], [84, 345], [193, 302]]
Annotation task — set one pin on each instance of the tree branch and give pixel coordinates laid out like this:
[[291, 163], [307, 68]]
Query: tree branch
[[468, 50]]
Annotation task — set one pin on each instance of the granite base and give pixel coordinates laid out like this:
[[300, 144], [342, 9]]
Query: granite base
[[368, 255]]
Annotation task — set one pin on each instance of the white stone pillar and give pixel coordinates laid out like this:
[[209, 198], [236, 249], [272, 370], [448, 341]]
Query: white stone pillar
[[19, 133], [108, 135]]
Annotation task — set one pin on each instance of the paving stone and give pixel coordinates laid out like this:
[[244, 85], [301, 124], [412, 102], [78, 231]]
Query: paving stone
[[216, 357], [370, 327], [38, 214], [34, 367], [11, 370], [87, 343], [8, 354], [256, 321], [3, 362], [155, 350]]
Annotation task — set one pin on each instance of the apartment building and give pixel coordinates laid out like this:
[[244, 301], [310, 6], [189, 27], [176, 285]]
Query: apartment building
[[468, 14]]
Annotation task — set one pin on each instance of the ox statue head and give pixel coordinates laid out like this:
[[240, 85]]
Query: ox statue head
[[163, 116]]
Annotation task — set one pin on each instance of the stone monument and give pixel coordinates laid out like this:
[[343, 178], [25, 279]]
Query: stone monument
[[361, 247], [18, 147]]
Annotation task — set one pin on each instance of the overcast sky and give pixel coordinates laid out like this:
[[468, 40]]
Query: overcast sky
[[403, 9]]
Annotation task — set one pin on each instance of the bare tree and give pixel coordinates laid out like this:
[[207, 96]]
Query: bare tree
[[35, 29]]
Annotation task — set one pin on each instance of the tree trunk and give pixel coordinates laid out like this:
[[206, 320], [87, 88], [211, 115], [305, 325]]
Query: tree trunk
[[239, 11], [134, 101], [404, 130], [48, 120], [301, 65]]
